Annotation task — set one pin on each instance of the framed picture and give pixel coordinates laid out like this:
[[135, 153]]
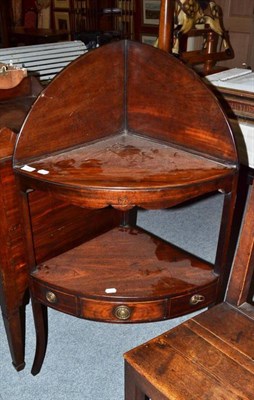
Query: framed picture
[[148, 39], [62, 20], [61, 3], [151, 12]]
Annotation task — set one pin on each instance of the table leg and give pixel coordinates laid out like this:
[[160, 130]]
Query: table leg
[[15, 331], [40, 313], [132, 389]]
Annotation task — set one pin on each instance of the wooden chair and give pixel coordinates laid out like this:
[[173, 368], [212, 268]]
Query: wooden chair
[[204, 59], [211, 356]]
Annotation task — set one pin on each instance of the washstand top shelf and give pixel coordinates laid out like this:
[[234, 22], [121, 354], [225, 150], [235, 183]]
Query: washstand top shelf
[[126, 125], [125, 170]]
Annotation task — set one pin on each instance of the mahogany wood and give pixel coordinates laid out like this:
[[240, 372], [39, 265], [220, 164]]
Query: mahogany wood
[[57, 226], [10, 76], [144, 277], [128, 101], [211, 355], [111, 131], [13, 273], [16, 102], [241, 282], [165, 28], [41, 328], [106, 113], [28, 87], [156, 169]]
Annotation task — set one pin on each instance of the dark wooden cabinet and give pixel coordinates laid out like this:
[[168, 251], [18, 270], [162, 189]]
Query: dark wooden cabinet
[[67, 20], [55, 224], [127, 137], [83, 16], [5, 23]]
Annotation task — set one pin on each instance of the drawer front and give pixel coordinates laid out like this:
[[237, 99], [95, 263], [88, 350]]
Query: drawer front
[[193, 301], [64, 302], [124, 311]]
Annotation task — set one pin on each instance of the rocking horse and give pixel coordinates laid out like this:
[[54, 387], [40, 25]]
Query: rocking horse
[[189, 13]]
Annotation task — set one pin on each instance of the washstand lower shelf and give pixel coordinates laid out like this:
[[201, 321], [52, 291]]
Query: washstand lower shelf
[[125, 275]]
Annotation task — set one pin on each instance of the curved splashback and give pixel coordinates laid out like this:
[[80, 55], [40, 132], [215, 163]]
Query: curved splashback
[[131, 87]]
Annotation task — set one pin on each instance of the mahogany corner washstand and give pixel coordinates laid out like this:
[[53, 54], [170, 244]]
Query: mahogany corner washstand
[[126, 126]]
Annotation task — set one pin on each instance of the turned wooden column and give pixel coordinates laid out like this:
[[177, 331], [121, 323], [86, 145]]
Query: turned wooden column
[[211, 47], [166, 25]]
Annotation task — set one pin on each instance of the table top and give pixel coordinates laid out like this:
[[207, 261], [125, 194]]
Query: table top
[[235, 78], [112, 129], [123, 170], [151, 271]]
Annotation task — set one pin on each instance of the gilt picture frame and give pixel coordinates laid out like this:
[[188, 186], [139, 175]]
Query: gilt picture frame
[[61, 3], [62, 20], [151, 12], [146, 38]]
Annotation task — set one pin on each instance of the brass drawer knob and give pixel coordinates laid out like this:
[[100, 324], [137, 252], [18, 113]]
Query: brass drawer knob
[[51, 297], [197, 298], [122, 312]]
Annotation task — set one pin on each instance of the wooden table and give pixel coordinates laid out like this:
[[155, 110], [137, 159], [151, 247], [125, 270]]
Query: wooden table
[[235, 90], [236, 87]]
